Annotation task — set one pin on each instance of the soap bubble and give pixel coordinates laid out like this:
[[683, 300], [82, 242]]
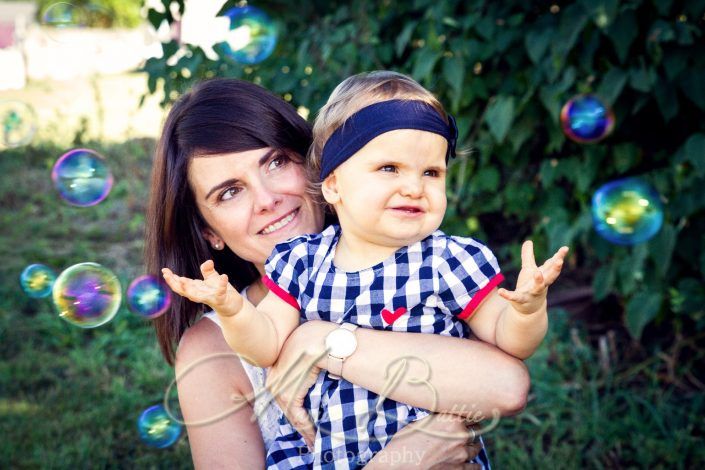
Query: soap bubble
[[82, 177], [37, 280], [148, 296], [586, 119], [87, 295], [627, 211], [61, 19], [19, 123], [252, 35], [63, 15], [157, 428]]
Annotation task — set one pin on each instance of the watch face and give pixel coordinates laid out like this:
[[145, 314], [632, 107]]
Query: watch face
[[341, 342]]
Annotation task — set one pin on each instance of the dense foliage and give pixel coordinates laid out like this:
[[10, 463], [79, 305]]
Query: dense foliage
[[505, 69]]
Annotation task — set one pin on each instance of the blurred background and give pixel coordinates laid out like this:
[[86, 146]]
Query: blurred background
[[584, 124]]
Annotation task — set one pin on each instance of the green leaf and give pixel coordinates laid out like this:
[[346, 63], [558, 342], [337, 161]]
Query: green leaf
[[625, 156], [499, 116], [674, 63], [559, 234], [572, 21], [694, 152], [692, 86], [622, 33], [603, 282], [661, 248], [404, 37], [425, 61], [642, 78], [155, 18], [548, 172], [612, 85], [487, 179], [536, 43], [641, 310], [666, 99], [454, 73]]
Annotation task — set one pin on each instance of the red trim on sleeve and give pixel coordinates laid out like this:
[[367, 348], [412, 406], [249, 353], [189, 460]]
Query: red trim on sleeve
[[281, 293], [480, 296]]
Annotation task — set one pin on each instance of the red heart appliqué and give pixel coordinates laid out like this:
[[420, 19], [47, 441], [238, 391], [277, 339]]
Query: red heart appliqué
[[390, 317]]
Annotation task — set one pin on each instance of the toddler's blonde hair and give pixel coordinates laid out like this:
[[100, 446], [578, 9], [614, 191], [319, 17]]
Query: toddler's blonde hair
[[353, 94]]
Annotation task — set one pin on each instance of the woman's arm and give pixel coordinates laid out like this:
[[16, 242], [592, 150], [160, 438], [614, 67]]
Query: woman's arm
[[462, 377], [222, 431]]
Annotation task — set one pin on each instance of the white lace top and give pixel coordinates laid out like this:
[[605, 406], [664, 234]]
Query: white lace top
[[266, 409]]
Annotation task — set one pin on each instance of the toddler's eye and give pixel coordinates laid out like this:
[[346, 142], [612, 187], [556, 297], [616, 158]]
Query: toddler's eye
[[388, 168]]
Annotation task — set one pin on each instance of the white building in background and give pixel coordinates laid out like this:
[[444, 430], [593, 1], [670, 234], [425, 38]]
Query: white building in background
[[30, 51], [14, 20]]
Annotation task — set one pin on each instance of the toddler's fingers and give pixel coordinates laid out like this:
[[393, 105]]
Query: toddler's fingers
[[222, 284], [208, 269], [507, 294], [552, 271], [172, 281], [527, 255], [539, 283]]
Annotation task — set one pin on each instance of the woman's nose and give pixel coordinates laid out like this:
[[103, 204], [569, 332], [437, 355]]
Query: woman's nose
[[264, 198]]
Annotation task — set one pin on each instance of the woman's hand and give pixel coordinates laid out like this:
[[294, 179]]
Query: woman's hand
[[290, 378], [214, 290], [439, 442]]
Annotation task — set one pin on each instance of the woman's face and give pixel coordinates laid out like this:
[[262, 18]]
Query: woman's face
[[253, 200]]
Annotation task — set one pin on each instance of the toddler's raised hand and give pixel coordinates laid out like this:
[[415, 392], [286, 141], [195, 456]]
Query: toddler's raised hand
[[533, 281], [213, 290]]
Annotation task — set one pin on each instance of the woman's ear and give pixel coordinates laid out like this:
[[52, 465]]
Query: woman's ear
[[329, 188], [215, 241]]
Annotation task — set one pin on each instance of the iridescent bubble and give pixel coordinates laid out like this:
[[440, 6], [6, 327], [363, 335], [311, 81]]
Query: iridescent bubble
[[157, 428], [64, 15], [19, 123], [148, 296], [82, 177], [252, 35], [627, 211], [87, 295], [37, 280], [586, 119]]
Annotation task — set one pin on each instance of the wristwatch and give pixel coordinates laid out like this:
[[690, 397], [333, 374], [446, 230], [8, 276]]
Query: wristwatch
[[340, 344]]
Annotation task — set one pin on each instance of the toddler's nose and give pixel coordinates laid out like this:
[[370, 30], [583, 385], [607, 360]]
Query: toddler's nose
[[412, 187]]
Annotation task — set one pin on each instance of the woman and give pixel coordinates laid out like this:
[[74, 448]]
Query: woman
[[228, 184]]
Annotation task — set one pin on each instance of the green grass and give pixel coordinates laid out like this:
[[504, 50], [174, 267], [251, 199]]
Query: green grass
[[584, 415], [70, 398]]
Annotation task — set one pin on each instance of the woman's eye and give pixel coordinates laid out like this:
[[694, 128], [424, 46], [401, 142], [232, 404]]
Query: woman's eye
[[388, 168], [228, 193], [279, 160], [432, 173]]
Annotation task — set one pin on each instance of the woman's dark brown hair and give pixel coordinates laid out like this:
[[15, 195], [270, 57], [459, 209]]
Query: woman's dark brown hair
[[217, 116]]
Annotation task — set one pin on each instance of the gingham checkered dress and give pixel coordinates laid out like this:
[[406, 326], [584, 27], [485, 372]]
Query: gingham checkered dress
[[428, 287]]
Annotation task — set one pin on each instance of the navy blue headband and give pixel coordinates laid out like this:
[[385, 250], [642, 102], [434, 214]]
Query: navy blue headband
[[379, 118]]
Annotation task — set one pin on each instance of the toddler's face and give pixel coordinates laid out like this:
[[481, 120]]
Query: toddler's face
[[392, 192]]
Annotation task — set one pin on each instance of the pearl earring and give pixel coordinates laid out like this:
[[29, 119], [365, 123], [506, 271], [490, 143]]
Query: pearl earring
[[216, 246]]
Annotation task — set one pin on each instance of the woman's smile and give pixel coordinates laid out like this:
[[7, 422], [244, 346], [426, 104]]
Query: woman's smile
[[280, 223]]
